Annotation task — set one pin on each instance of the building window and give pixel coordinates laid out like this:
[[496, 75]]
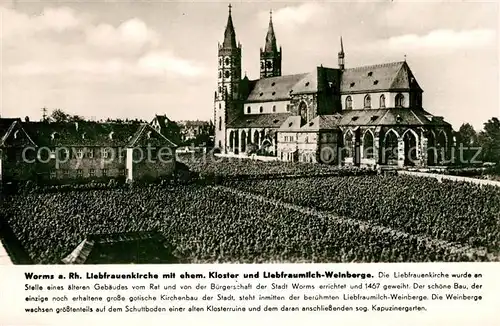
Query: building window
[[227, 62], [382, 101], [91, 172], [79, 173], [227, 74], [261, 109], [248, 109], [368, 102], [121, 171], [66, 173], [368, 149], [79, 153], [220, 74], [348, 103], [105, 153], [90, 152], [104, 172], [288, 107], [400, 100], [220, 61], [274, 108], [220, 123]]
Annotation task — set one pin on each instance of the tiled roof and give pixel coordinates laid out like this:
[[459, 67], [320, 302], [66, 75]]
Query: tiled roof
[[274, 120], [124, 248], [388, 117], [292, 123], [83, 133], [147, 135], [273, 88], [388, 76]]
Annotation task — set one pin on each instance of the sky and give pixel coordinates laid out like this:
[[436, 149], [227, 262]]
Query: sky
[[120, 59]]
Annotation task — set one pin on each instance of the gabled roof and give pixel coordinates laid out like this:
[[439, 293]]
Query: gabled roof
[[273, 88], [274, 120], [121, 248], [82, 133], [292, 123], [13, 130], [389, 117], [147, 135], [381, 77]]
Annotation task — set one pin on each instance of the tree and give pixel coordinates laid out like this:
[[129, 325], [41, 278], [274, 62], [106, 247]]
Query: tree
[[489, 140], [59, 115], [466, 135]]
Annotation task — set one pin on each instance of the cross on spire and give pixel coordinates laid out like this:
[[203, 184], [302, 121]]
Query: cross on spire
[[271, 14], [230, 8]]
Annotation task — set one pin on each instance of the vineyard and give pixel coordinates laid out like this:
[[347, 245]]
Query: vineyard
[[316, 219]]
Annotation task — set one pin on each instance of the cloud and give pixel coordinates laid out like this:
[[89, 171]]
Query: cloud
[[50, 20], [133, 33], [442, 40], [296, 15], [157, 63], [153, 64]]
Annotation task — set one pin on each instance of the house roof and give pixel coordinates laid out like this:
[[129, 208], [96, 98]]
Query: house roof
[[381, 77], [147, 135], [273, 120], [121, 248], [292, 123]]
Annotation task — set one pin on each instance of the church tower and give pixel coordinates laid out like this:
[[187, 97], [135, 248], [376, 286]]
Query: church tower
[[228, 81], [270, 57], [341, 55]]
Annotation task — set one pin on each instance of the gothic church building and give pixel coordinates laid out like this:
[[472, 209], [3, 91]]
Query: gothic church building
[[370, 115]]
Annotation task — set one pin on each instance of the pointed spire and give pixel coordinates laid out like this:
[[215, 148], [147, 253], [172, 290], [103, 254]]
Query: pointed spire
[[229, 34], [270, 37], [341, 55]]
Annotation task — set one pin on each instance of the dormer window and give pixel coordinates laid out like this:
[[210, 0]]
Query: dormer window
[[354, 118], [274, 93], [375, 82], [370, 74], [290, 124], [352, 84], [276, 121], [307, 84], [261, 94], [273, 84]]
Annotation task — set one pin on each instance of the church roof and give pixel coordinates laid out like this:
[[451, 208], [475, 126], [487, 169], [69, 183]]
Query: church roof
[[274, 88], [273, 120], [382, 77]]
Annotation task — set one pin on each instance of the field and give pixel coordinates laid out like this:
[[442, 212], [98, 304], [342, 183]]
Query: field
[[364, 218]]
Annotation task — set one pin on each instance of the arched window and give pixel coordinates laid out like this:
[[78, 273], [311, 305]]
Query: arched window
[[261, 109], [368, 102], [382, 101], [348, 103], [248, 109], [220, 123], [368, 149], [220, 62], [303, 111], [391, 146], [227, 74], [227, 61], [220, 106], [349, 144], [400, 100], [274, 108], [256, 137], [220, 74]]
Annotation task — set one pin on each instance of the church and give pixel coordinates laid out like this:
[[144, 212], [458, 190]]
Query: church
[[363, 116]]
